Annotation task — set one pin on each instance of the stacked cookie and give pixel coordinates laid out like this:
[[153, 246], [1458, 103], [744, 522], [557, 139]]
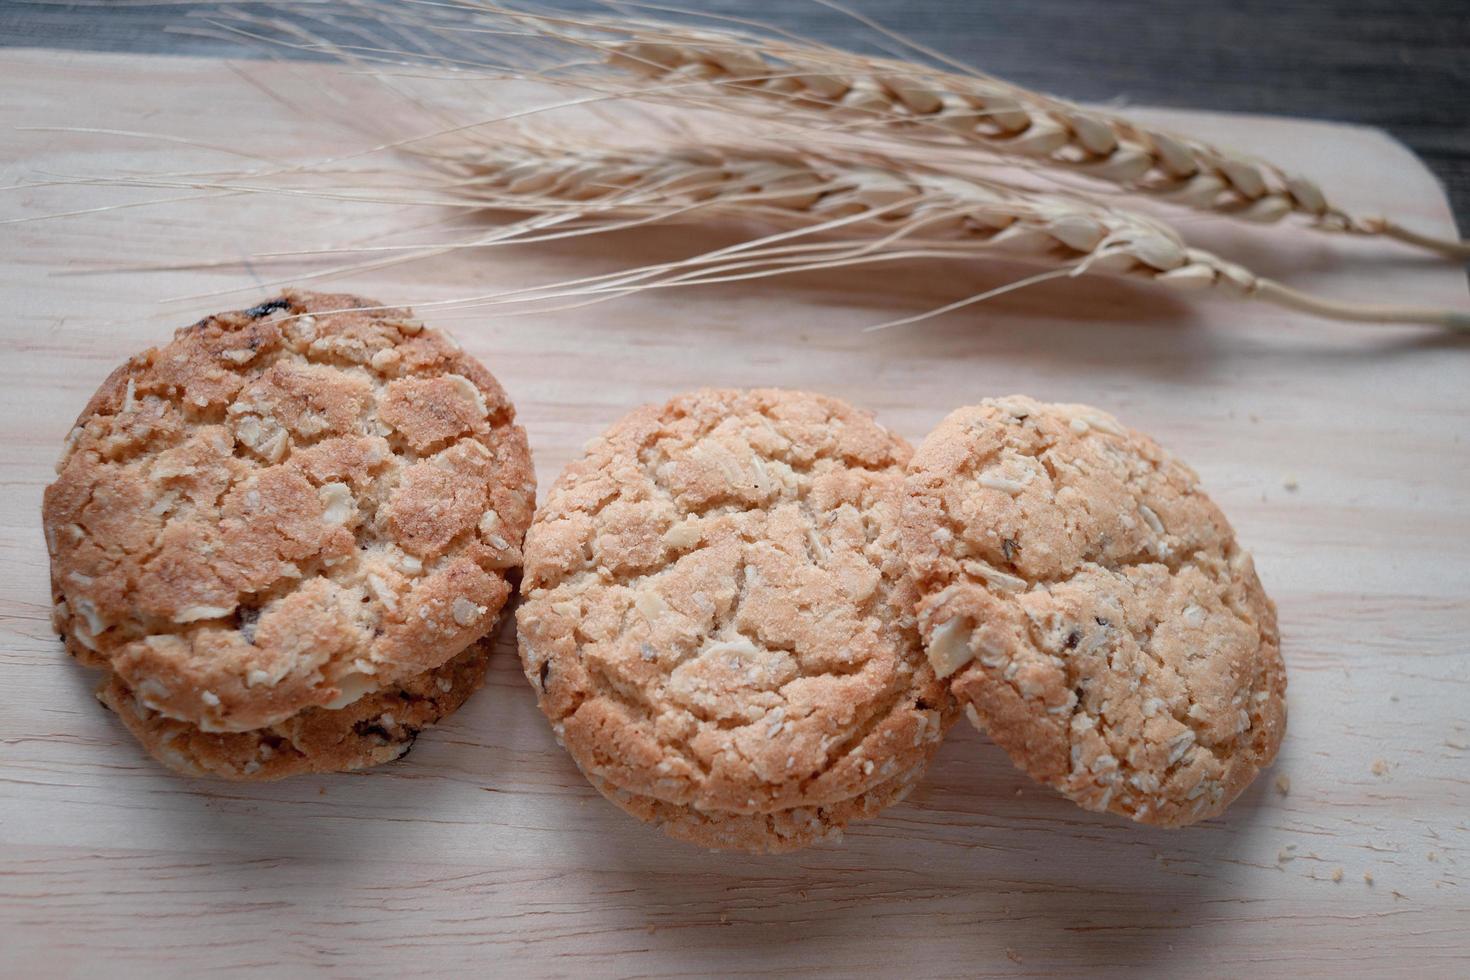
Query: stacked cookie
[[750, 615], [287, 534], [719, 623]]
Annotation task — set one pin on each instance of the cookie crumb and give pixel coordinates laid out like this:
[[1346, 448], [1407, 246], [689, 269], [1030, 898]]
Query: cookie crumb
[[1013, 956], [1284, 855], [1291, 484], [1337, 875], [1283, 784], [1368, 878], [1380, 767], [1432, 857]]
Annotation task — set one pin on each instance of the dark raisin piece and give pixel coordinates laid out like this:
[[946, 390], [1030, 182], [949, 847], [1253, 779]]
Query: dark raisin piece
[[245, 619], [270, 306], [373, 729]]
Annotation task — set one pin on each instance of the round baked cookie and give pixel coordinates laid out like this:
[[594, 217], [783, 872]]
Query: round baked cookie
[[376, 728], [719, 624], [286, 508], [1092, 611]]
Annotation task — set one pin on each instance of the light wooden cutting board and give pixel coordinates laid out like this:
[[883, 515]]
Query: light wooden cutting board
[[1339, 452]]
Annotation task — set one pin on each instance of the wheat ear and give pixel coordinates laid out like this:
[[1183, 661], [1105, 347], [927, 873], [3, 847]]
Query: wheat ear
[[877, 214], [1007, 119], [924, 103]]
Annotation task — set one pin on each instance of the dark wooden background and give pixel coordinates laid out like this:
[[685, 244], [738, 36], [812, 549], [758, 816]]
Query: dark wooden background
[[1402, 65]]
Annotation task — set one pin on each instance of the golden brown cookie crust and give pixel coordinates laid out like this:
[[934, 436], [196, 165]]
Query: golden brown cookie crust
[[376, 728], [1092, 610], [716, 613], [286, 507]]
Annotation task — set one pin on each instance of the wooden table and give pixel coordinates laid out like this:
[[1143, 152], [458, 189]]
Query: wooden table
[[1339, 452]]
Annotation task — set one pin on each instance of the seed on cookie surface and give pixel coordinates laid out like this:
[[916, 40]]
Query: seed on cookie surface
[[719, 625], [248, 530], [1098, 620]]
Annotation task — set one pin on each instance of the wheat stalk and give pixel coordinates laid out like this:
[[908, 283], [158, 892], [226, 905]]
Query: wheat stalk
[[877, 214], [927, 105]]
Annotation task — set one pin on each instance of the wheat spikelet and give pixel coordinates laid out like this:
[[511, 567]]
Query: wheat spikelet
[[877, 214], [926, 104]]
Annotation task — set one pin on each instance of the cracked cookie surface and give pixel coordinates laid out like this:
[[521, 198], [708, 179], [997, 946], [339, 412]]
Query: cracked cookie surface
[[1092, 611], [718, 621], [376, 728], [285, 508]]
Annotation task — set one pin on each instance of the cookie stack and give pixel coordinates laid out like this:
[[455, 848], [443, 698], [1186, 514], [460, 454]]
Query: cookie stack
[[287, 534], [719, 623], [751, 615]]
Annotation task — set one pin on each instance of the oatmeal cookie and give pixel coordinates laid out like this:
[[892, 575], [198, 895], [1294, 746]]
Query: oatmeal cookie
[[718, 621], [286, 508], [1092, 611], [376, 728]]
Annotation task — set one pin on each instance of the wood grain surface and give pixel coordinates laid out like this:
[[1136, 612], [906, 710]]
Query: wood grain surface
[[1397, 64], [1339, 453]]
